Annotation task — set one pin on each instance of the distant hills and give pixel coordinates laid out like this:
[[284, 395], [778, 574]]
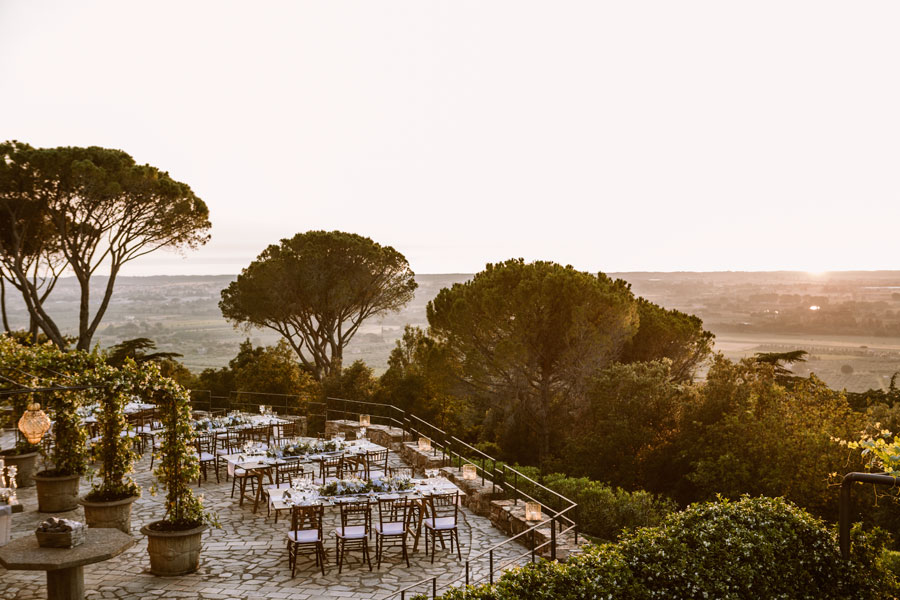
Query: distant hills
[[857, 322]]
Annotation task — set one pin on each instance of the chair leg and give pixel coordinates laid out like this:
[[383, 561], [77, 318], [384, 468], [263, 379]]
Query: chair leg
[[405, 552], [458, 553], [320, 554], [366, 552]]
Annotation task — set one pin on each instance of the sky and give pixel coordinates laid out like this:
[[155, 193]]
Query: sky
[[613, 136]]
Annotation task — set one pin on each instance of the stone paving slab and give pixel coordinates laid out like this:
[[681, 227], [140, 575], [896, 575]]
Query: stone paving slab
[[247, 557]]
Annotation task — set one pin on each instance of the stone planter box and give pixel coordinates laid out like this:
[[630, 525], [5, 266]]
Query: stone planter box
[[114, 514], [174, 552], [57, 494], [24, 464], [419, 460]]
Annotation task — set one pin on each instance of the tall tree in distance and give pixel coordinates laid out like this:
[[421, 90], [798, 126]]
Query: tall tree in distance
[[316, 289], [530, 335], [100, 209]]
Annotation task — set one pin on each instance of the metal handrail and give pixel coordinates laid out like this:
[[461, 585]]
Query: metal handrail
[[490, 554]]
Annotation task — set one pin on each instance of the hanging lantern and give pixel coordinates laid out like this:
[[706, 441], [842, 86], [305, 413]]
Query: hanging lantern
[[365, 420], [424, 444], [470, 471], [34, 423], [532, 511]]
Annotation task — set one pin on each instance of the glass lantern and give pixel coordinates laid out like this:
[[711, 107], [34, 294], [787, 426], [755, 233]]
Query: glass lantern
[[424, 444], [532, 511], [469, 471], [34, 423], [365, 420]]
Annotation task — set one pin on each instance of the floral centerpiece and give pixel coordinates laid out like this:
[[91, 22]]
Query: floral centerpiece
[[356, 486]]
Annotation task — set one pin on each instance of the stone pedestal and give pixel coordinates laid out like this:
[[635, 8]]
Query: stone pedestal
[[421, 460]]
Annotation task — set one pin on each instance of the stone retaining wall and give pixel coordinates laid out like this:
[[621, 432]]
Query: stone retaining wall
[[477, 496]]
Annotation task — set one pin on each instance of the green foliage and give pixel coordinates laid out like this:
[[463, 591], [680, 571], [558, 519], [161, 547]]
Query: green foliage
[[178, 463], [356, 382], [316, 289], [115, 451], [78, 209], [529, 335], [753, 548], [628, 430], [603, 511], [136, 349], [747, 433], [43, 365], [421, 378], [669, 334]]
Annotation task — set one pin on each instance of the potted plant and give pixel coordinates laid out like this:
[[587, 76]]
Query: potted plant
[[57, 487], [174, 541], [108, 504]]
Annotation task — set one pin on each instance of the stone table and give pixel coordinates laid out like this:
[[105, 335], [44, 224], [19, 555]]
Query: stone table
[[64, 566]]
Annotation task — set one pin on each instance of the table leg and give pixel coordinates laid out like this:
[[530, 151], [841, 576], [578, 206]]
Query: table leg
[[66, 584]]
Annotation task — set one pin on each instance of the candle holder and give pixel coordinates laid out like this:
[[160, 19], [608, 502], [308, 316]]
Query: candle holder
[[532, 511], [424, 444], [365, 420], [469, 471]]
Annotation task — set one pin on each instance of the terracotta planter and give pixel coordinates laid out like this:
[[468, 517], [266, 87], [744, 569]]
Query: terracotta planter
[[24, 464], [174, 552], [57, 494], [114, 514]]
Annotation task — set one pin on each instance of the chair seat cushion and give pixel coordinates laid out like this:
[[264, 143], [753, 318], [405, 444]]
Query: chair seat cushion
[[441, 523], [304, 536], [391, 528], [238, 472], [354, 532], [206, 457]]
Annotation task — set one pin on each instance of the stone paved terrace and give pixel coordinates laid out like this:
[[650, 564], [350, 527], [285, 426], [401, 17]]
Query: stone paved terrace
[[246, 558]]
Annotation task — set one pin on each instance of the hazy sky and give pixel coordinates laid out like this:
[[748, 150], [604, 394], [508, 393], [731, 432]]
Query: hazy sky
[[613, 136]]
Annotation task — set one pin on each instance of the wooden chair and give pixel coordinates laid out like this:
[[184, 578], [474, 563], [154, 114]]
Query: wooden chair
[[353, 533], [376, 463], [331, 466], [393, 515], [306, 533], [442, 519], [205, 444]]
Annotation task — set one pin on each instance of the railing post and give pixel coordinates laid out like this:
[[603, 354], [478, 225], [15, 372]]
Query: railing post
[[515, 487], [553, 538], [491, 567], [434, 587], [532, 544]]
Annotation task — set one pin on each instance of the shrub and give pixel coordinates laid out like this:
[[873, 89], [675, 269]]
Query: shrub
[[603, 511], [752, 548]]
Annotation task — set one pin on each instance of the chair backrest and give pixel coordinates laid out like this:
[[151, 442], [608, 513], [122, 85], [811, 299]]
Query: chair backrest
[[376, 461], [441, 506], [307, 517], [332, 466], [289, 471], [354, 514], [400, 472], [206, 443], [256, 434], [392, 510], [302, 476]]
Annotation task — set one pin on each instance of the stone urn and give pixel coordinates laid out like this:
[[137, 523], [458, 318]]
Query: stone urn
[[109, 514], [24, 464], [173, 552], [57, 493]]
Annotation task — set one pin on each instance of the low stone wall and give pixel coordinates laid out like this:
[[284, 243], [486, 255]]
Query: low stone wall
[[477, 496], [301, 423], [509, 517], [420, 460]]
